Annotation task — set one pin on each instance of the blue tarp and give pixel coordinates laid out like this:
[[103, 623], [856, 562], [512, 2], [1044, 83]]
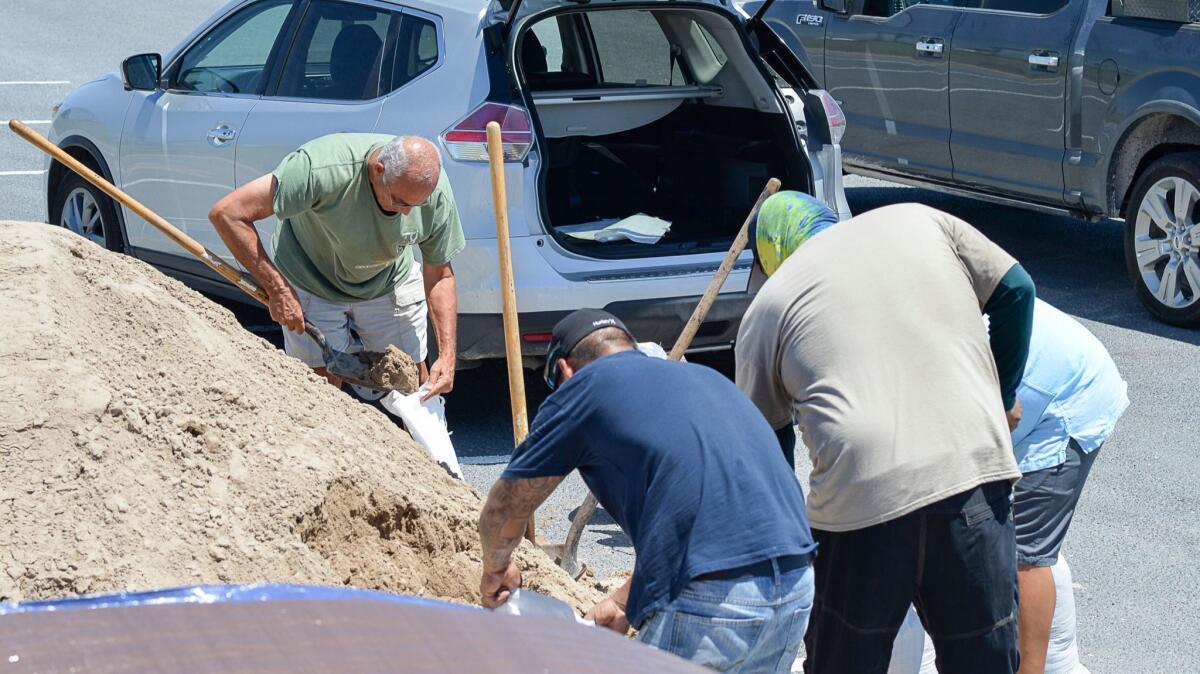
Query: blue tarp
[[216, 594]]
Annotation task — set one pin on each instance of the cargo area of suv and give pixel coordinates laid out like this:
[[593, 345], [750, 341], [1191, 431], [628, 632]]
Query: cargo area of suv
[[652, 119]]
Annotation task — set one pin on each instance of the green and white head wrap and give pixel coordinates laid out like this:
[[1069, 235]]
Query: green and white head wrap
[[784, 222]]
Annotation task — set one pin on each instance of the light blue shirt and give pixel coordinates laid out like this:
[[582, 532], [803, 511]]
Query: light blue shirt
[[1071, 390]]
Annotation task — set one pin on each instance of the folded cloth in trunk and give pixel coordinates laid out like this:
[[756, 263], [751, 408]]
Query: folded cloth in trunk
[[640, 228]]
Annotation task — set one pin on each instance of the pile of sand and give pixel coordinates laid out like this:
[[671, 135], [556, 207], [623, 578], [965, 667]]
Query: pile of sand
[[147, 440]]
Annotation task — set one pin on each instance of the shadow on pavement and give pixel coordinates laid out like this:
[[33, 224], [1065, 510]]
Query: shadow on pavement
[[603, 524]]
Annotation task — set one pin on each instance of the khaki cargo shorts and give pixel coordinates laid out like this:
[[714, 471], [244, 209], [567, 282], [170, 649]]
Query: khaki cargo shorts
[[378, 323]]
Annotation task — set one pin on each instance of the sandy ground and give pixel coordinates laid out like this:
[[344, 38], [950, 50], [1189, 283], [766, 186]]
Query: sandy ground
[[147, 440]]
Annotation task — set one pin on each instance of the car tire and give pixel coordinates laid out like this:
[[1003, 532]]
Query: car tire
[[1162, 241], [82, 208]]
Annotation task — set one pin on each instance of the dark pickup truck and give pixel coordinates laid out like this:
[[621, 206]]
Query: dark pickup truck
[[1089, 107]]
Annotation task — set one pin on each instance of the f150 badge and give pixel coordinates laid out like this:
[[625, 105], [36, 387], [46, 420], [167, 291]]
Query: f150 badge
[[810, 20]]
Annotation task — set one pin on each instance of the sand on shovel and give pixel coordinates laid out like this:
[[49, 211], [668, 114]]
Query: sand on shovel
[[148, 441], [392, 370]]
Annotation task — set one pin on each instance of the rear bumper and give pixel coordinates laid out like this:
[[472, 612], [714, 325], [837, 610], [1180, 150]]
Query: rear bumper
[[659, 320]]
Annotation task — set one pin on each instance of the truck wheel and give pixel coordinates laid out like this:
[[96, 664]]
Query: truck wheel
[[85, 210], [1162, 239]]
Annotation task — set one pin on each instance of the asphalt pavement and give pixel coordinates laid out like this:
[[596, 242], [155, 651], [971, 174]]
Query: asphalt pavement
[[1134, 544]]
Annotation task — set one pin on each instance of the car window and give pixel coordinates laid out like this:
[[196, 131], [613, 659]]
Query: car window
[[548, 37], [647, 62], [886, 8], [416, 50], [231, 58], [339, 52]]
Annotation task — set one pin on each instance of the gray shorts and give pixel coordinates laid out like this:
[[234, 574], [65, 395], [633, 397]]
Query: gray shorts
[[1043, 504], [378, 323]]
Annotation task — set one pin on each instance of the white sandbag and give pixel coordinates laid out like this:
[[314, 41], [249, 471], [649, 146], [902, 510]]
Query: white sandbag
[[912, 652], [1062, 657], [525, 602], [652, 349], [426, 422]]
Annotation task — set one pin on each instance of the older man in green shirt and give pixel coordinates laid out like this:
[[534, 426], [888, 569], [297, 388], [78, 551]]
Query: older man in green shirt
[[351, 206]]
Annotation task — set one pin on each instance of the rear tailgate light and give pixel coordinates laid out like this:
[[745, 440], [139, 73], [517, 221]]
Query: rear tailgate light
[[467, 139], [834, 114]]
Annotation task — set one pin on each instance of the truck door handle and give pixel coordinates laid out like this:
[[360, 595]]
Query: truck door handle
[[1044, 60], [931, 46], [221, 134]]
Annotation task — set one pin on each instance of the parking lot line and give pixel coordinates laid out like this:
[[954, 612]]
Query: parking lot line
[[30, 82], [21, 173], [35, 121]]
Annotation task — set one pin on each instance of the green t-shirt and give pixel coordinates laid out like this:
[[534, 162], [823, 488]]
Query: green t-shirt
[[333, 239]]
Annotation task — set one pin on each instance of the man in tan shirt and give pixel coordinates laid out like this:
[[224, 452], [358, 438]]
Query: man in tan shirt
[[869, 338]]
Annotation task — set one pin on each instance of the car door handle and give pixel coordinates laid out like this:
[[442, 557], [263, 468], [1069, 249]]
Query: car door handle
[[931, 46], [221, 135], [1044, 60]]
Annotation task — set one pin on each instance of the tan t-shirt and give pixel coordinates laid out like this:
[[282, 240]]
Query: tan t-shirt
[[869, 337]]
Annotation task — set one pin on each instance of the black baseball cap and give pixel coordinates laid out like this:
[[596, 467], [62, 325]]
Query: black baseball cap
[[570, 331]]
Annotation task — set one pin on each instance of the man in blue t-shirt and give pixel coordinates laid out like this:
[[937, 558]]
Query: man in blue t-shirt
[[692, 473]]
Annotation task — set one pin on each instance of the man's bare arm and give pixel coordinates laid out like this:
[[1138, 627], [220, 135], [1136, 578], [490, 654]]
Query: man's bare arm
[[506, 513], [442, 294], [234, 217]]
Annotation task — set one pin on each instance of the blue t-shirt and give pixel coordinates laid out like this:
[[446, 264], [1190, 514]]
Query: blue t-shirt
[[681, 459]]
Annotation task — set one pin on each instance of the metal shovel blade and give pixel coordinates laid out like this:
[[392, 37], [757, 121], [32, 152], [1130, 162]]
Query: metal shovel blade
[[353, 368], [566, 555], [569, 563]]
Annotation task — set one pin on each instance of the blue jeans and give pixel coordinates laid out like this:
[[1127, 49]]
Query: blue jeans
[[752, 624]]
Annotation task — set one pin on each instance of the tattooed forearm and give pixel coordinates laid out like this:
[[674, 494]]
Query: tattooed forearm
[[505, 514]]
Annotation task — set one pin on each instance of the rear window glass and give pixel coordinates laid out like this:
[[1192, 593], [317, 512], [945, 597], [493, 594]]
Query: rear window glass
[[632, 48]]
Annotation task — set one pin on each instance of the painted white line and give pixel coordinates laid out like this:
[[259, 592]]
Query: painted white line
[[34, 82], [35, 121], [21, 173]]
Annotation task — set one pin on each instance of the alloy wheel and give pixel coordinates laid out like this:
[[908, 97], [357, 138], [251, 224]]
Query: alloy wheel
[[81, 214], [1166, 242]]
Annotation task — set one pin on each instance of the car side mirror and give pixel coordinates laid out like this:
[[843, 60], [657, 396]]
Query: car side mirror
[[142, 72], [836, 6]]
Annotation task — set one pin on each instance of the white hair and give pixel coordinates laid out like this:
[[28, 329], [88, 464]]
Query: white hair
[[421, 166]]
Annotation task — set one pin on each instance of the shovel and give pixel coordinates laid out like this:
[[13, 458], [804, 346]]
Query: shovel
[[566, 555], [351, 367], [508, 295]]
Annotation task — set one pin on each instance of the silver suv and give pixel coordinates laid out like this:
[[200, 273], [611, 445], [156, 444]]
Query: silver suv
[[665, 112]]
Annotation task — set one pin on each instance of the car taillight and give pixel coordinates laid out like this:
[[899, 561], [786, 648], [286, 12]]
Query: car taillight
[[467, 139], [833, 112]]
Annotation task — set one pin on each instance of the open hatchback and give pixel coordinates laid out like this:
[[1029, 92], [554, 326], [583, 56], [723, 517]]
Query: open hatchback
[[660, 122]]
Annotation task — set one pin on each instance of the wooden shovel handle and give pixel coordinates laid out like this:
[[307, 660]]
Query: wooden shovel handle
[[243, 281], [718, 279], [508, 295]]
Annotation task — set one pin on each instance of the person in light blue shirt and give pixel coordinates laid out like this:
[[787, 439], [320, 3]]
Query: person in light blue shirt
[[1071, 396]]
